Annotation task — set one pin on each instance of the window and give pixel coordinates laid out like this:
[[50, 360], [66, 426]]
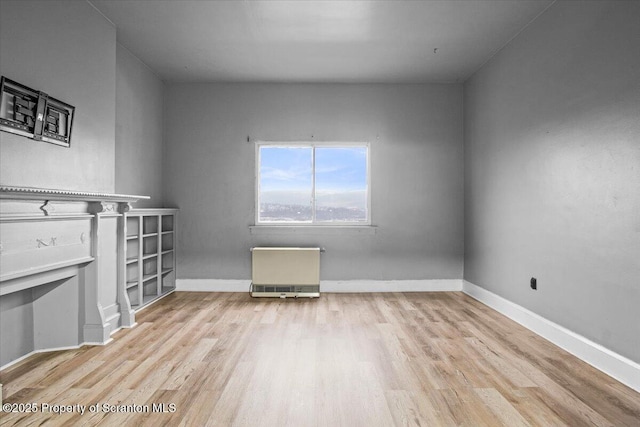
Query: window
[[317, 184]]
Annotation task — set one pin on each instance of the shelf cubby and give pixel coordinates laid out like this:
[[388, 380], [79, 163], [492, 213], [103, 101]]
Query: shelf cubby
[[167, 242], [132, 247], [150, 224], [167, 223], [134, 298], [150, 245], [168, 281], [133, 227], [168, 261], [132, 272]]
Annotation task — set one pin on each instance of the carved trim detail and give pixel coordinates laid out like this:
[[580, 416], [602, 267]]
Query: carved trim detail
[[7, 191], [124, 207], [47, 208], [102, 207], [42, 242]]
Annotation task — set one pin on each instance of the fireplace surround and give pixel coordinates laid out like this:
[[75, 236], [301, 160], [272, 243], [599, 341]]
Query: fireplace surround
[[61, 282]]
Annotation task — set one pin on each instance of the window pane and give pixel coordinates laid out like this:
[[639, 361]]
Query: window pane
[[341, 184], [285, 184]]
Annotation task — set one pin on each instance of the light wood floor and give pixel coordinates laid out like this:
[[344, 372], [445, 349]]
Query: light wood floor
[[226, 359]]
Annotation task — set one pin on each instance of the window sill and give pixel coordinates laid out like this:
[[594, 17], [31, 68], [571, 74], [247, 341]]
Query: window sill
[[313, 229]]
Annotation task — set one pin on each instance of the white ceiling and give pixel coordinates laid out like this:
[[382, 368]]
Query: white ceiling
[[317, 41]]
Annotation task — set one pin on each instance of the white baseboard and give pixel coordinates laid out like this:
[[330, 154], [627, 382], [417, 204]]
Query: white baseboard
[[218, 285], [47, 350], [619, 367], [71, 347], [114, 322], [212, 285], [390, 285]]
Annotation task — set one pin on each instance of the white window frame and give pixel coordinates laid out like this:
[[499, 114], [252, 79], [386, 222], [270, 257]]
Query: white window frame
[[312, 145]]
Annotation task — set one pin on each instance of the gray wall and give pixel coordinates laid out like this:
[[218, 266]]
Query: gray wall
[[417, 174], [68, 50], [71, 56], [139, 94], [552, 171]]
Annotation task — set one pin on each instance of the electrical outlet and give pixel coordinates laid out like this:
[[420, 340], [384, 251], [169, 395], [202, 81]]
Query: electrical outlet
[[534, 283]]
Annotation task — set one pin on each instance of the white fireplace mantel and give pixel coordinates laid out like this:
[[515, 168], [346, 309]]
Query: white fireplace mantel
[[59, 278]]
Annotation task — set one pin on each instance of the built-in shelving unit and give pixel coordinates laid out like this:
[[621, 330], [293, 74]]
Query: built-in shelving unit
[[149, 254]]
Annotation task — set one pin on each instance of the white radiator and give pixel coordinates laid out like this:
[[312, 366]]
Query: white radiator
[[285, 272]]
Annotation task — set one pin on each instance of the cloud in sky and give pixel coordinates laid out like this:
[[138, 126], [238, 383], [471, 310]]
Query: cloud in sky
[[268, 173], [290, 168]]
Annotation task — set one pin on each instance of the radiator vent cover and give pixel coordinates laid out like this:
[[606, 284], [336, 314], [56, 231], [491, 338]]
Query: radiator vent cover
[[285, 272], [287, 289]]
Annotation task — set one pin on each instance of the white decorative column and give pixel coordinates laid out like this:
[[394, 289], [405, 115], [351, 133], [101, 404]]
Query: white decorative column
[[127, 314], [102, 311]]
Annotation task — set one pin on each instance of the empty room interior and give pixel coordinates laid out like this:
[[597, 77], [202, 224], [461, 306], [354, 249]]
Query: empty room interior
[[320, 213]]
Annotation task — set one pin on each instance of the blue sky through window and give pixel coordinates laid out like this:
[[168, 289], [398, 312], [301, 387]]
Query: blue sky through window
[[286, 183], [341, 169], [285, 168]]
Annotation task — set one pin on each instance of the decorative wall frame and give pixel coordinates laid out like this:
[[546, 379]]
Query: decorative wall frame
[[34, 114]]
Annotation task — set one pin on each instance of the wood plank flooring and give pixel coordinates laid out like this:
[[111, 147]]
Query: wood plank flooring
[[404, 359]]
